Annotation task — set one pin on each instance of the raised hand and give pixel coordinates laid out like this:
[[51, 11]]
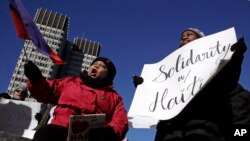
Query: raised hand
[[239, 47], [32, 72], [137, 80]]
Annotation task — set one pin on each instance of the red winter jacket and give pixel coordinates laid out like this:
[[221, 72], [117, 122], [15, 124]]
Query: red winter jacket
[[72, 97]]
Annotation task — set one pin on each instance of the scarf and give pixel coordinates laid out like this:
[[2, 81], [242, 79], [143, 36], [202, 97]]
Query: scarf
[[94, 83]]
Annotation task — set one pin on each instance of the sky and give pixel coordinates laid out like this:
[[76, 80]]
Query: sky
[[132, 33]]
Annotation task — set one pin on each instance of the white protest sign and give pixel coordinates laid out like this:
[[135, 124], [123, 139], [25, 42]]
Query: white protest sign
[[18, 116], [171, 84], [79, 125]]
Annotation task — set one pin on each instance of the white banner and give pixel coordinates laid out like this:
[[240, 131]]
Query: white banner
[[171, 84], [17, 116]]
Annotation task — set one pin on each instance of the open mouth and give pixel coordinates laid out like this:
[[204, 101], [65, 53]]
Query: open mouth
[[93, 72], [185, 41]]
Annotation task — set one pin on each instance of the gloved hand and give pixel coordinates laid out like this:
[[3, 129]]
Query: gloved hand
[[239, 47], [103, 134], [229, 76], [32, 72], [38, 117], [137, 80]]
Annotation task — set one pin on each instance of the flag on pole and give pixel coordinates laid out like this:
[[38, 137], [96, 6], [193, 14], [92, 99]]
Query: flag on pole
[[27, 29]]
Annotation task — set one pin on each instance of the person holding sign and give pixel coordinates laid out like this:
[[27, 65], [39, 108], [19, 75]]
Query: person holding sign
[[209, 115], [191, 118], [90, 93]]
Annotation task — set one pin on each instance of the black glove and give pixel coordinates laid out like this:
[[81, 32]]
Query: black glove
[[38, 117], [32, 72], [239, 47], [103, 134], [233, 69], [137, 80]]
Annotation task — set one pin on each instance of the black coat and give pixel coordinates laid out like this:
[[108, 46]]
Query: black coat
[[211, 105], [240, 100]]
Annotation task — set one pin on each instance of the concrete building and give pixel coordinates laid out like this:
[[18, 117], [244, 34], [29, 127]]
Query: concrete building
[[81, 53], [54, 28]]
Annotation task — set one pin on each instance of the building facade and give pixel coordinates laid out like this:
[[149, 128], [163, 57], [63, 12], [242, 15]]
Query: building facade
[[82, 53], [54, 28]]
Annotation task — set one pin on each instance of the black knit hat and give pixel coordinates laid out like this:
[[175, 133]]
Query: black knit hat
[[110, 65]]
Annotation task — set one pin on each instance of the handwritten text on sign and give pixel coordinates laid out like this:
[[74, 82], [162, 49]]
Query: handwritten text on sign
[[170, 84]]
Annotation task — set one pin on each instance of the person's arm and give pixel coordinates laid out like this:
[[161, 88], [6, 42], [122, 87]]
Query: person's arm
[[46, 91], [230, 74], [137, 80], [120, 120], [235, 63]]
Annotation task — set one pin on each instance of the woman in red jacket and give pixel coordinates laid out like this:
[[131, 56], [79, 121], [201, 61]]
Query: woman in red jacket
[[90, 93]]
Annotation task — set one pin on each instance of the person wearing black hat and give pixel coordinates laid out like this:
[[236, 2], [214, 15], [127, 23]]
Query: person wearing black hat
[[90, 93]]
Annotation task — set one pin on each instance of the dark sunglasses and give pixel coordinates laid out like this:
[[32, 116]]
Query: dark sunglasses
[[20, 91]]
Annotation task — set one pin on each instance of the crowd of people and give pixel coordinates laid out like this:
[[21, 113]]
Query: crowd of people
[[92, 92]]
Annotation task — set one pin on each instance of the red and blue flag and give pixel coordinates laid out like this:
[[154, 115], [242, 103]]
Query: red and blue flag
[[27, 29]]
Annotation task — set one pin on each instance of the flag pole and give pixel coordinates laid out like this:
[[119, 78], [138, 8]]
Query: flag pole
[[24, 52]]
